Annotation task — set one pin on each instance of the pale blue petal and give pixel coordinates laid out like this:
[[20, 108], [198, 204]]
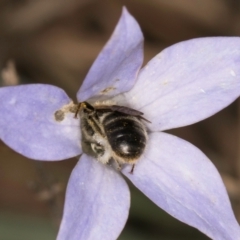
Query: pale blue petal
[[97, 203], [116, 67], [180, 179], [188, 82], [28, 124]]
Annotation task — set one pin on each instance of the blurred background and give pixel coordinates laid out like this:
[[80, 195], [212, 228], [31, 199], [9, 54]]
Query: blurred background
[[56, 41]]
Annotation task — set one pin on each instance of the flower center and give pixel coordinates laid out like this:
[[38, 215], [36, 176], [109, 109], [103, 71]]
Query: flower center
[[112, 133]]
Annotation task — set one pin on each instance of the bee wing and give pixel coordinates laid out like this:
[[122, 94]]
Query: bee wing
[[126, 110]]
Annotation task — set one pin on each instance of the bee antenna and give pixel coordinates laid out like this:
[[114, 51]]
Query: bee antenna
[[78, 109]]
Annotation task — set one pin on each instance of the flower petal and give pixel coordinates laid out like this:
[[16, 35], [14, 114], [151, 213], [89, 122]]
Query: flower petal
[[116, 67], [97, 203], [180, 179], [188, 82], [28, 123]]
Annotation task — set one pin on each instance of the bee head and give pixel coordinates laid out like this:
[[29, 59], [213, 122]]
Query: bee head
[[86, 108]]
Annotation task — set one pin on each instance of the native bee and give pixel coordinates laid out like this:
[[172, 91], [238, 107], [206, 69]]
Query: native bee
[[112, 133]]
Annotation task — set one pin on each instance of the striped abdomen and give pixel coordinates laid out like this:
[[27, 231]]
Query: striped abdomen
[[126, 135]]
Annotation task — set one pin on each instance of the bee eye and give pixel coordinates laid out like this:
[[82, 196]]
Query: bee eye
[[88, 112], [97, 148]]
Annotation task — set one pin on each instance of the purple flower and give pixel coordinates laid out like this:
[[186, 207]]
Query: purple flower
[[182, 85]]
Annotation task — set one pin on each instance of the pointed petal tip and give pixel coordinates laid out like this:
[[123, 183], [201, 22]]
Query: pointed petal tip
[[97, 202], [125, 12], [116, 68]]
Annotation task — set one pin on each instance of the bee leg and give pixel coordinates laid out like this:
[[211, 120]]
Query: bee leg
[[78, 109], [119, 166], [133, 166], [115, 164]]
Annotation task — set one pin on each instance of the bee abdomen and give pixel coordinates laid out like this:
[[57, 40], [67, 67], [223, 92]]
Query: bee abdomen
[[126, 135]]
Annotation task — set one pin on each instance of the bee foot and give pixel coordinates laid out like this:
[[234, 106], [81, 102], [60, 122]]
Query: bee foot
[[133, 166]]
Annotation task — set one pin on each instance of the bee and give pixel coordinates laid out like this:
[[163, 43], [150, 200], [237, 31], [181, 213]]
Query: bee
[[112, 133]]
